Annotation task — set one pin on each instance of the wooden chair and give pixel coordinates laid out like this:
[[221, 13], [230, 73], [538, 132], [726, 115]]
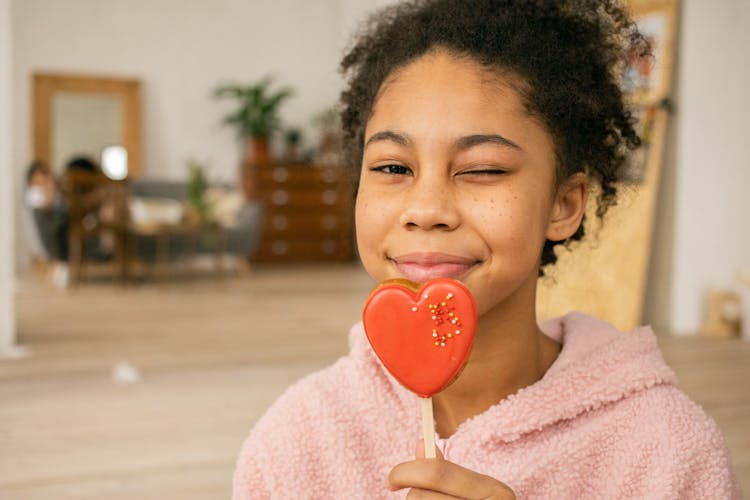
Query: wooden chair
[[98, 208]]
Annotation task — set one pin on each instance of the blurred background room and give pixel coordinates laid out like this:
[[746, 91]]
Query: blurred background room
[[177, 241]]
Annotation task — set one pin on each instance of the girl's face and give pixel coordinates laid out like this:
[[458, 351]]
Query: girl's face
[[457, 181]]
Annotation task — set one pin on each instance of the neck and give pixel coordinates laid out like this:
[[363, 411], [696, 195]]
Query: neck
[[509, 353]]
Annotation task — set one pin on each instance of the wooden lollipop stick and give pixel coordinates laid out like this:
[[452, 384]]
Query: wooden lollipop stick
[[428, 428]]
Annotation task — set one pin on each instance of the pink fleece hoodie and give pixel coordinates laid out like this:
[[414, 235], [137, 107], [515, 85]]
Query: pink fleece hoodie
[[605, 421]]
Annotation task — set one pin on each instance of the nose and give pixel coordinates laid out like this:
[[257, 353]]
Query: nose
[[430, 205]]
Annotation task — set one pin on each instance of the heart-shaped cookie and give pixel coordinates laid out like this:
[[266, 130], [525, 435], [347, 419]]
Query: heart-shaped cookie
[[422, 336]]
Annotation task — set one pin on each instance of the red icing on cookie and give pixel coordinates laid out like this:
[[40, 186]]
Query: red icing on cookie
[[423, 338]]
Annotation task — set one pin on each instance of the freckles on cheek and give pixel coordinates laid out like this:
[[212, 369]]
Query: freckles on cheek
[[367, 224], [360, 224], [511, 227]]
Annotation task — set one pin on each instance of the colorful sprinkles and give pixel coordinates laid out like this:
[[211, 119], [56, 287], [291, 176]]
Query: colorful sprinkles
[[442, 313]]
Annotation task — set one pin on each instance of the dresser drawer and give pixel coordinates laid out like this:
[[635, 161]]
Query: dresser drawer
[[298, 223], [301, 197], [308, 213], [298, 248], [301, 174]]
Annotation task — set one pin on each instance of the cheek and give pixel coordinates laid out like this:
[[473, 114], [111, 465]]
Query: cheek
[[369, 220], [512, 223], [361, 210], [372, 226]]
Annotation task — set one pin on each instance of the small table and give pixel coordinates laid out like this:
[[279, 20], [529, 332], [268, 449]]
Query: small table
[[191, 229]]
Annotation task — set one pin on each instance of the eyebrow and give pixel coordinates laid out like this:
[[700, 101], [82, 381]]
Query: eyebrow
[[475, 140], [388, 135], [463, 143]]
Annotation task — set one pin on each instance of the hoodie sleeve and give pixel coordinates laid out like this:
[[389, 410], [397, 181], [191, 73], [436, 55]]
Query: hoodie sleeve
[[297, 449], [707, 471], [701, 466], [284, 454], [265, 454], [249, 478]]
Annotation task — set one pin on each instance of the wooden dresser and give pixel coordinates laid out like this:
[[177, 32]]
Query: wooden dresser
[[309, 213]]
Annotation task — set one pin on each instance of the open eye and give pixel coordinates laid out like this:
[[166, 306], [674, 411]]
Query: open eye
[[392, 169]]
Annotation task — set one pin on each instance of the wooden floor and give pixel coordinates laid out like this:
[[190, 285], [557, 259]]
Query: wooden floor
[[213, 354]]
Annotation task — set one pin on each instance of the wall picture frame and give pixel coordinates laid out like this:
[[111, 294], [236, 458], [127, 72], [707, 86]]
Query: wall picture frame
[[647, 80], [637, 163]]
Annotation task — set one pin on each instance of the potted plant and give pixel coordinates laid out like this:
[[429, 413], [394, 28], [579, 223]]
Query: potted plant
[[257, 117], [292, 140], [196, 189], [328, 121]]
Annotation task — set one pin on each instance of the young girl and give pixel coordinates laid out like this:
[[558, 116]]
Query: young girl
[[478, 129]]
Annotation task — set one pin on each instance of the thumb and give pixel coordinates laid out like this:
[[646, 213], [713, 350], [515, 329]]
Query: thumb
[[420, 451]]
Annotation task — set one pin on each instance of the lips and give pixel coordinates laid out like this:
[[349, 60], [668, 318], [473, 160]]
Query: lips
[[422, 267]]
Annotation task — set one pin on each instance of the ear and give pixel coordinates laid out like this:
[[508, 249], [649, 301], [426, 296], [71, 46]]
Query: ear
[[568, 208]]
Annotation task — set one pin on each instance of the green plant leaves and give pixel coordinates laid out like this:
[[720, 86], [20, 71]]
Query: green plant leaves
[[257, 114]]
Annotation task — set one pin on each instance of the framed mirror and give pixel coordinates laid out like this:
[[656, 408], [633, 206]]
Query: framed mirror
[[78, 115]]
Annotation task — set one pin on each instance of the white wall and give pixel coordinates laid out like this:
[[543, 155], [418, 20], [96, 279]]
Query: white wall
[[352, 13], [7, 317], [703, 233], [181, 50]]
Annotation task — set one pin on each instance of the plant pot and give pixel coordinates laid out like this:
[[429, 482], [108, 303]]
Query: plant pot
[[248, 181], [257, 150]]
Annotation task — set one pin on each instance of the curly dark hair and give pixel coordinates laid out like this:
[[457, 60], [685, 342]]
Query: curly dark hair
[[569, 54]]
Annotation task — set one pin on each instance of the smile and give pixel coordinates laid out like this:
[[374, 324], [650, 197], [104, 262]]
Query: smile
[[422, 267]]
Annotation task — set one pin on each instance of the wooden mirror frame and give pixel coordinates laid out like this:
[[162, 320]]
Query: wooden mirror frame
[[128, 91]]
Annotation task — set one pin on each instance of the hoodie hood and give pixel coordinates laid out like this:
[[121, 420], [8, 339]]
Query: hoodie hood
[[598, 365]]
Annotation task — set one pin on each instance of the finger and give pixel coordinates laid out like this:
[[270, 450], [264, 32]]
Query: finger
[[420, 453], [447, 478]]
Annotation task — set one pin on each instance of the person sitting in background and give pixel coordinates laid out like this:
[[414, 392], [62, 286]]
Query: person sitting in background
[[92, 204], [51, 218], [82, 164]]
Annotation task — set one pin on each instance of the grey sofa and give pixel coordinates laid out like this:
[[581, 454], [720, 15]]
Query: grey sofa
[[241, 239]]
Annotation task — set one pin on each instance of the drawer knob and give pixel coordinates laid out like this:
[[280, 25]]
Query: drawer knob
[[329, 222], [328, 246], [329, 197], [280, 197], [279, 247], [329, 175], [280, 222], [280, 174]]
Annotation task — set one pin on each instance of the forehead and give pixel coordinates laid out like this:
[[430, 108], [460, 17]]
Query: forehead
[[440, 61], [443, 93]]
